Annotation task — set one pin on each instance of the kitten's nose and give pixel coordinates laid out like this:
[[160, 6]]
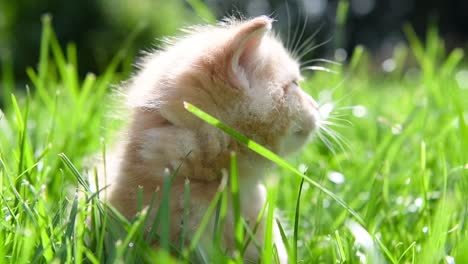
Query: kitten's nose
[[312, 113], [311, 101]]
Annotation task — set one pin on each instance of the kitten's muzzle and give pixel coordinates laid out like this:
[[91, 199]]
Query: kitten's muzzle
[[311, 115]]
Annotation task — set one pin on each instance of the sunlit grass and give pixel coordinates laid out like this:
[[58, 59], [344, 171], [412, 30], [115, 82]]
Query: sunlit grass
[[396, 194]]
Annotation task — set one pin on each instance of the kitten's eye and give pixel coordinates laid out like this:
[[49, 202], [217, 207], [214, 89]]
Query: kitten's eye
[[294, 83]]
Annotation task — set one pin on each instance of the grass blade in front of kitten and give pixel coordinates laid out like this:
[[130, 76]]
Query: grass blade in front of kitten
[[268, 247], [206, 218], [296, 222], [236, 205], [267, 154], [186, 214], [164, 211]]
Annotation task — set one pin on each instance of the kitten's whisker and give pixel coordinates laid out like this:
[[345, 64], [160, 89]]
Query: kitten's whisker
[[302, 33], [320, 60], [349, 123], [335, 115], [296, 30], [308, 41], [306, 51], [339, 137], [273, 16], [319, 68], [326, 141], [342, 143], [349, 107], [339, 113], [329, 124], [289, 26]]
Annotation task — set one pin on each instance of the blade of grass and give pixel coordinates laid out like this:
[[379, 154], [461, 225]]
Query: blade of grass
[[164, 212], [284, 238], [202, 11], [206, 218], [251, 233], [341, 251], [269, 155], [83, 182], [268, 246], [7, 78], [185, 218], [296, 223], [238, 227]]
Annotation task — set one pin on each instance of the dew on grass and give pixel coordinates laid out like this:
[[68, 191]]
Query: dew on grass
[[8, 218], [419, 202], [434, 195], [399, 200], [7, 214], [425, 229], [359, 111], [418, 248], [462, 78], [408, 181], [450, 260], [416, 205], [40, 165], [340, 55], [306, 186], [396, 129], [389, 65], [27, 232], [336, 177], [302, 168]]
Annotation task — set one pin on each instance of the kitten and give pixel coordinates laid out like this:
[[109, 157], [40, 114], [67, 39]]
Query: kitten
[[237, 71]]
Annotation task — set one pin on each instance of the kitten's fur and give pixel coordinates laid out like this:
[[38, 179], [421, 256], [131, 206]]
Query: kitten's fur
[[240, 73]]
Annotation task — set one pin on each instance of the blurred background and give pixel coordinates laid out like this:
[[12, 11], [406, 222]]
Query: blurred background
[[100, 28]]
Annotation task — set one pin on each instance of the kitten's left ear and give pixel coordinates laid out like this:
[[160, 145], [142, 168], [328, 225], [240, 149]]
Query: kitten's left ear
[[244, 47]]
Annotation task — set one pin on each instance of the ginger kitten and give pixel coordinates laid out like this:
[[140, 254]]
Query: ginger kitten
[[237, 71]]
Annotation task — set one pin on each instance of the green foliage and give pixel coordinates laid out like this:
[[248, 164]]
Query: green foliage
[[397, 194]]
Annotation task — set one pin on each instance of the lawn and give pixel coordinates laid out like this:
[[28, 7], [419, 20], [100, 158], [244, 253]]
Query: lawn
[[390, 187]]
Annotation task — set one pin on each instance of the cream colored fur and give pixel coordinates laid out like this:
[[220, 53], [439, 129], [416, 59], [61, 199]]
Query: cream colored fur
[[237, 71]]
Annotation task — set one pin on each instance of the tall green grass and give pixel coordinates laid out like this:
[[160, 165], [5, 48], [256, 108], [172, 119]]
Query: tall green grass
[[397, 193]]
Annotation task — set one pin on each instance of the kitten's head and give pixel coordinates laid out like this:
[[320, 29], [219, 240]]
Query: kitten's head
[[237, 71]]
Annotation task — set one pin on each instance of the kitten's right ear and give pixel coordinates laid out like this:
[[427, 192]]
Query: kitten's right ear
[[243, 48]]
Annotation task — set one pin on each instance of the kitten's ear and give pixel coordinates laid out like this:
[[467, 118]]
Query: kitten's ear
[[244, 47]]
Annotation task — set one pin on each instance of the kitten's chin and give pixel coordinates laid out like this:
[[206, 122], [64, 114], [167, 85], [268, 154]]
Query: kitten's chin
[[294, 143]]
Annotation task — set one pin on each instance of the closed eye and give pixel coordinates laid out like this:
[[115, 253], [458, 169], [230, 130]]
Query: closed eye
[[289, 85]]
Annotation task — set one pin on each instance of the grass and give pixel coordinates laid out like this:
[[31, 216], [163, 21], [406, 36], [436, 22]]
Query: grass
[[396, 193]]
